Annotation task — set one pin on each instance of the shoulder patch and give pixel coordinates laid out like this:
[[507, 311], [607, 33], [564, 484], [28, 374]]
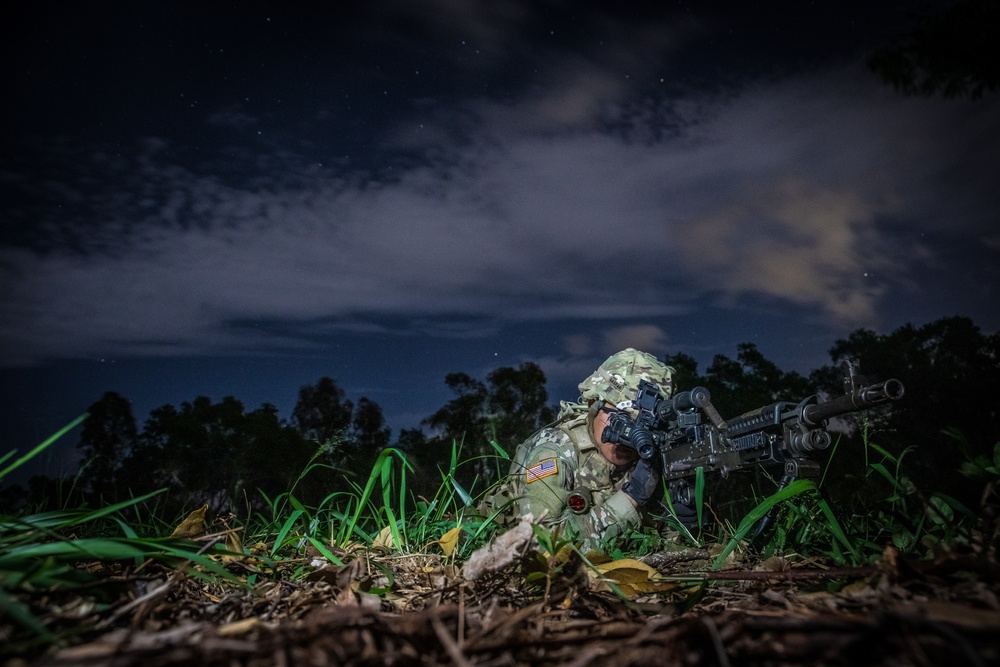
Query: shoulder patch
[[543, 469]]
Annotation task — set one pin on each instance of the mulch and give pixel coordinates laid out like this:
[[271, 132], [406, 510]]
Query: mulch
[[418, 610]]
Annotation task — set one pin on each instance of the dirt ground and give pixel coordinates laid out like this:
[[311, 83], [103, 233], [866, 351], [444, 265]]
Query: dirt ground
[[420, 610]]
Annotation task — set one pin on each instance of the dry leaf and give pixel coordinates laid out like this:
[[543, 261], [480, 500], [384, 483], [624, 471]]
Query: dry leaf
[[234, 544], [449, 540], [626, 565], [773, 564], [193, 526], [631, 577], [384, 539]]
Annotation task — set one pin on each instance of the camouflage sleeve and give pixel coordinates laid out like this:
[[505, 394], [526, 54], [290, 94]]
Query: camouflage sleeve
[[606, 522], [544, 482]]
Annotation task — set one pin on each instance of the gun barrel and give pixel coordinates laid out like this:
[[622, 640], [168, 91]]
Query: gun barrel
[[860, 399]]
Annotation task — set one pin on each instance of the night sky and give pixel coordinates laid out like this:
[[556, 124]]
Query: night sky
[[238, 198]]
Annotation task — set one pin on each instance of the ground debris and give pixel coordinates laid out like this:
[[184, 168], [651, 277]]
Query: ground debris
[[938, 614], [447, 635]]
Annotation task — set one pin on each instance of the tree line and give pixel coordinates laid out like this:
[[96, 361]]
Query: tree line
[[233, 459]]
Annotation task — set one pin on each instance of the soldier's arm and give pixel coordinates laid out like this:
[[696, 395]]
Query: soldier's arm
[[544, 479], [547, 485], [596, 524]]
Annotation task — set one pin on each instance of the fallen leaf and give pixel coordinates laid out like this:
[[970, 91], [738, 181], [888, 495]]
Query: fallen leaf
[[384, 539], [773, 564], [233, 544], [449, 540], [193, 526], [626, 566], [631, 577]]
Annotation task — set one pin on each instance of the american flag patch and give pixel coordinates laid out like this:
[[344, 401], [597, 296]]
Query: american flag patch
[[543, 469]]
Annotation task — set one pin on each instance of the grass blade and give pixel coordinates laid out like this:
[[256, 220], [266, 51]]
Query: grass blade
[[41, 447], [279, 540], [17, 611], [797, 487]]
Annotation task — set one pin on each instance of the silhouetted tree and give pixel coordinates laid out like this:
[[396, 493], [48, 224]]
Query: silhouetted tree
[[463, 415], [685, 371], [955, 53], [752, 381], [506, 409], [738, 385], [195, 447], [951, 372], [517, 404], [323, 413], [12, 498], [108, 434], [411, 439], [366, 438], [270, 457], [52, 493], [217, 453]]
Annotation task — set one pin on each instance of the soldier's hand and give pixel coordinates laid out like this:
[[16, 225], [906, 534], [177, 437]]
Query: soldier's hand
[[642, 482]]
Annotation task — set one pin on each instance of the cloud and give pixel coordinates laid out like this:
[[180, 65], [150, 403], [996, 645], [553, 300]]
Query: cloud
[[233, 118], [782, 192], [646, 337], [797, 244], [578, 345]]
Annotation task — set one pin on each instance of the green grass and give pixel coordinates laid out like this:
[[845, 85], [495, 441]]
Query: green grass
[[912, 520], [42, 552]]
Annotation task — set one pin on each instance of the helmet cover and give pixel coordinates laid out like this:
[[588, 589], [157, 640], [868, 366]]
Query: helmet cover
[[617, 379]]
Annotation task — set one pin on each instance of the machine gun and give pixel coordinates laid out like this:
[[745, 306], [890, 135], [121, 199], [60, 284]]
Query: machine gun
[[782, 432]]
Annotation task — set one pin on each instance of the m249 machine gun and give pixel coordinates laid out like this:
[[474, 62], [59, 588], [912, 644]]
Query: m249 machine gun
[[688, 433]]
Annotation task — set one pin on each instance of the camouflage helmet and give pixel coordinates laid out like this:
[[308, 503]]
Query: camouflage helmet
[[617, 379]]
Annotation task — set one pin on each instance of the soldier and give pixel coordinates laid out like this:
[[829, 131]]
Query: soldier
[[565, 475]]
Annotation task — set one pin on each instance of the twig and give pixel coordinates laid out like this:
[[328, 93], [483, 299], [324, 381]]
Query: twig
[[448, 643], [513, 619], [789, 575], [717, 643], [942, 566], [588, 656], [461, 615], [648, 628], [950, 635]]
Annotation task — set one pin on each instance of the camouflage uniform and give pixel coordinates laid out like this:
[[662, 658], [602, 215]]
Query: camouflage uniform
[[560, 476]]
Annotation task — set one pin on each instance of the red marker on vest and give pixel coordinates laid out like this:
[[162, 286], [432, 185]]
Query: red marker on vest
[[577, 502]]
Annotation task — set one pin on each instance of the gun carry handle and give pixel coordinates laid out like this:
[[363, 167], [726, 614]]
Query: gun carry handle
[[700, 398]]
